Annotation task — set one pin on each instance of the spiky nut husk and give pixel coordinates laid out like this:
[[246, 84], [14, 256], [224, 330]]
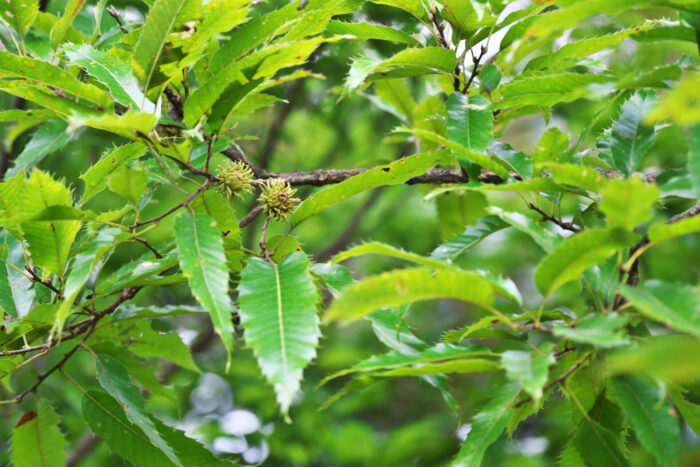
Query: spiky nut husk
[[234, 179], [277, 198]]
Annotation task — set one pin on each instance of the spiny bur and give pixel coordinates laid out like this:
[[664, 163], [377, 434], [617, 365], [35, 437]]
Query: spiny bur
[[277, 198], [235, 179]]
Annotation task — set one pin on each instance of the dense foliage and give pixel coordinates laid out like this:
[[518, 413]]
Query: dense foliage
[[350, 232]]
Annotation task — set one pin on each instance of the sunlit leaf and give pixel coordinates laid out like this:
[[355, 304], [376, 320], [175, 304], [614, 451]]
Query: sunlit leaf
[[408, 285], [37, 440], [202, 258], [488, 425], [576, 254], [278, 312], [391, 174], [650, 414], [675, 305]]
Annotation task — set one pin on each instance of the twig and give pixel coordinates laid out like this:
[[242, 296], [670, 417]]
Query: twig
[[46, 283], [177, 105], [186, 202], [564, 225], [475, 70], [149, 246], [693, 211], [114, 14], [58, 365], [250, 216], [263, 235]]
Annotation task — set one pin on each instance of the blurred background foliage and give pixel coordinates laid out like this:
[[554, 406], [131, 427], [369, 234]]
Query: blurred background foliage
[[398, 422]]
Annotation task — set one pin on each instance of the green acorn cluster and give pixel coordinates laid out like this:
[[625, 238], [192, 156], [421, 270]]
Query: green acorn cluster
[[277, 198], [235, 179]]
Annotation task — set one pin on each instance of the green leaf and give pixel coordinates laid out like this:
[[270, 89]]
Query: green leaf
[[366, 31], [83, 266], [658, 356], [393, 331], [627, 203], [397, 94], [37, 440], [128, 183], [391, 174], [488, 425], [43, 97], [378, 248], [472, 235], [116, 381], [577, 175], [113, 73], [219, 16], [215, 206], [202, 258], [11, 202], [49, 138], [396, 288], [576, 254], [515, 160], [414, 7], [63, 25], [159, 22], [469, 121], [599, 446], [278, 313], [584, 48], [546, 90], [396, 359], [22, 115], [129, 124], [551, 145], [574, 12], [656, 429], [253, 33], [628, 141], [596, 329], [96, 177], [676, 305], [530, 369], [466, 16], [689, 410], [539, 234], [19, 14], [408, 62], [43, 72], [106, 418], [49, 242], [136, 333], [694, 159], [7, 303], [462, 152], [665, 231]]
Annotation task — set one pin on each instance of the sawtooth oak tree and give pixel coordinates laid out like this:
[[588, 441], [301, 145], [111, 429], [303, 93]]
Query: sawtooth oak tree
[[512, 278]]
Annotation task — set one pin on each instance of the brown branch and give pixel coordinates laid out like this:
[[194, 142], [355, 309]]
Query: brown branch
[[693, 211], [475, 70], [250, 216], [42, 377], [186, 202], [177, 105], [564, 225], [149, 246], [114, 14]]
